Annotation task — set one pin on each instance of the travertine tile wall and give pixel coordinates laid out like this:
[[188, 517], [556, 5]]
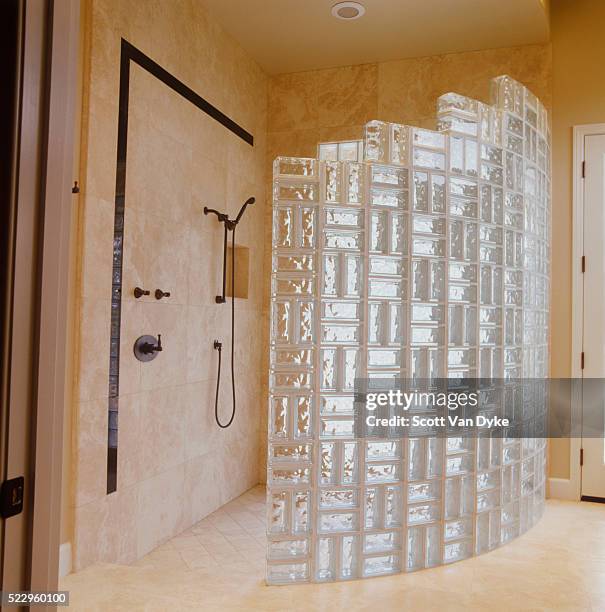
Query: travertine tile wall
[[179, 466], [334, 104], [174, 464]]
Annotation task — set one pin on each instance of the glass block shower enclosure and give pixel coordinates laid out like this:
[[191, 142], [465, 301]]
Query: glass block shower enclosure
[[427, 257]]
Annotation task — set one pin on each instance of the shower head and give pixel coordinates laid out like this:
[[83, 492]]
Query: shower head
[[243, 208]]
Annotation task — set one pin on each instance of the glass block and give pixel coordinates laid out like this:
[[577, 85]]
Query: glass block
[[287, 572], [429, 159], [457, 550], [326, 559], [424, 491], [393, 506], [373, 277], [390, 198], [338, 498], [341, 521], [348, 557], [381, 542], [461, 528], [295, 166], [290, 476], [433, 545], [424, 513], [380, 565], [284, 549], [300, 523], [299, 191], [278, 513]]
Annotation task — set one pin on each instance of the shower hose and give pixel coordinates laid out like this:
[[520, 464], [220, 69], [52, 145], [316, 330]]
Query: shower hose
[[219, 346]]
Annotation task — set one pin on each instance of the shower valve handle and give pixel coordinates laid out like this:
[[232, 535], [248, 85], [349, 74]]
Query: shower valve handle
[[159, 294], [138, 292], [149, 348]]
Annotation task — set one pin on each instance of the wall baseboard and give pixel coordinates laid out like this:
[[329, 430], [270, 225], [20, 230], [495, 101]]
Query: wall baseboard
[[561, 488], [65, 562]]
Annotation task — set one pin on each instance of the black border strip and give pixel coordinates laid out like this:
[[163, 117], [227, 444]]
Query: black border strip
[[129, 52]]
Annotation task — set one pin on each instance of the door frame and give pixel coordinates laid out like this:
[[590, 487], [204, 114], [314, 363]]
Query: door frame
[[572, 489], [53, 388], [43, 177]]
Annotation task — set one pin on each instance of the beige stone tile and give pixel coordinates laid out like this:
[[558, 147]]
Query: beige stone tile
[[208, 187], [158, 173], [129, 440], [201, 437], [347, 96], [160, 503], [296, 143], [245, 543], [134, 254], [198, 558], [204, 325], [409, 89], [96, 247], [202, 489], [209, 142], [346, 132], [293, 102], [165, 559], [185, 541], [91, 452], [104, 51], [166, 259], [93, 366], [161, 430], [99, 529], [160, 106], [100, 165]]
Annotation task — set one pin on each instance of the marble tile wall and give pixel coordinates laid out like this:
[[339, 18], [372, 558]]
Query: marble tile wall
[[175, 465], [306, 108]]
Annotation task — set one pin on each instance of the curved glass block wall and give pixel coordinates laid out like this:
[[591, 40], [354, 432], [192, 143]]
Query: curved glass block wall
[[429, 258]]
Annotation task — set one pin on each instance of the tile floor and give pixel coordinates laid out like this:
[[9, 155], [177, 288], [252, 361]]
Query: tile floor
[[219, 565]]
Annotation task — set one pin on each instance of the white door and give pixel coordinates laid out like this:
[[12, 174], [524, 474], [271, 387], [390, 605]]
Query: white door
[[593, 468]]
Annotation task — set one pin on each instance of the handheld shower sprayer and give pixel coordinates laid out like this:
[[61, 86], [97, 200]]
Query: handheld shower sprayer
[[242, 210], [230, 225]]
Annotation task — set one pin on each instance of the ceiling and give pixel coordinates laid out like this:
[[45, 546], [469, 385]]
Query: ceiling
[[296, 35]]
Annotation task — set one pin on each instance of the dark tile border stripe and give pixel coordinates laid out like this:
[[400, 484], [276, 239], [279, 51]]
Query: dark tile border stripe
[[130, 53]]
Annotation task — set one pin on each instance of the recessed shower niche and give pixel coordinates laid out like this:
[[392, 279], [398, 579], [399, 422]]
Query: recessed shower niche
[[429, 258]]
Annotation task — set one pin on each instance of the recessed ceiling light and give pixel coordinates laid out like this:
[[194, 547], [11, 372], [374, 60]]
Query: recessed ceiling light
[[348, 10]]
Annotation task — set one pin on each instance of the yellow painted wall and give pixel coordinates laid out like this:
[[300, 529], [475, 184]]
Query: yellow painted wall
[[578, 89]]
